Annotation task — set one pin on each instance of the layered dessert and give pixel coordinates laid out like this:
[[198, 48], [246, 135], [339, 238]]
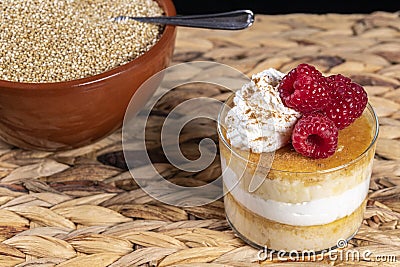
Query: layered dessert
[[296, 155]]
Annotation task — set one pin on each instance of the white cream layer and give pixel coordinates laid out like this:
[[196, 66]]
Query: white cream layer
[[314, 212]]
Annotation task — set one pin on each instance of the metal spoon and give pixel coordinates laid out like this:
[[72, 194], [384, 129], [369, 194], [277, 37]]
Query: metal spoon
[[234, 20]]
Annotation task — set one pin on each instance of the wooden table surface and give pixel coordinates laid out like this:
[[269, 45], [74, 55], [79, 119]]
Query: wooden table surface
[[81, 207]]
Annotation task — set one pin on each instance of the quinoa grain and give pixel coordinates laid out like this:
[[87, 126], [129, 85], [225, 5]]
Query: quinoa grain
[[60, 40]]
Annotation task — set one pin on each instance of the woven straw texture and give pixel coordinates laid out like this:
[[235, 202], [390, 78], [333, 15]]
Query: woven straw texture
[[82, 208]]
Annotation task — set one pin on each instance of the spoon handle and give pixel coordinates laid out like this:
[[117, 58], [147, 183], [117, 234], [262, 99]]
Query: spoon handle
[[234, 20]]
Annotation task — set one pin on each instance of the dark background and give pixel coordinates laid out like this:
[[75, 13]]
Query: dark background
[[286, 6]]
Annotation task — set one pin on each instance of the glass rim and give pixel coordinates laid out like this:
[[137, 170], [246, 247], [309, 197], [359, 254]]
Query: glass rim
[[359, 157]]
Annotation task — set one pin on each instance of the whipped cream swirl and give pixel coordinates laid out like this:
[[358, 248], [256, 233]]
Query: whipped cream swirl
[[259, 121]]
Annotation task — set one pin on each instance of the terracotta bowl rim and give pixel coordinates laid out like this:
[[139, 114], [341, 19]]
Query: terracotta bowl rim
[[167, 34]]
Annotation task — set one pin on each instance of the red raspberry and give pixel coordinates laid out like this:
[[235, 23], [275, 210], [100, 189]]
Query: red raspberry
[[304, 89], [315, 136], [348, 101]]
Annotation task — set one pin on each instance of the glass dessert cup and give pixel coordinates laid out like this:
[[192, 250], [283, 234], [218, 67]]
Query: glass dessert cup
[[284, 201]]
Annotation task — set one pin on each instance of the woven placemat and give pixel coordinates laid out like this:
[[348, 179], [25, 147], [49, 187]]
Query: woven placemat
[[82, 208]]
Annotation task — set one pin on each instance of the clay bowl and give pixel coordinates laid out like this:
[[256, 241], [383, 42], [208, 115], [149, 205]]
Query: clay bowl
[[71, 114]]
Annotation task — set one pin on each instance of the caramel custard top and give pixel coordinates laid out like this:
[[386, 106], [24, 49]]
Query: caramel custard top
[[353, 141]]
